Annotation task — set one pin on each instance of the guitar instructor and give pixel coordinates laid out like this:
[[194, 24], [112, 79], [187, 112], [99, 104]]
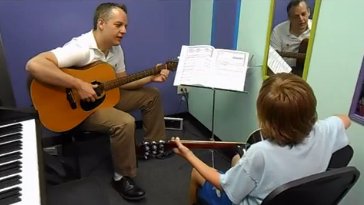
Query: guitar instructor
[[288, 35], [102, 43]]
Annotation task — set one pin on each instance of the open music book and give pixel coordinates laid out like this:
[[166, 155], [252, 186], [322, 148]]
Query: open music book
[[276, 63], [203, 65]]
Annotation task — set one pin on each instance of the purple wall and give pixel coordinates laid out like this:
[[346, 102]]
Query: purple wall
[[157, 30]]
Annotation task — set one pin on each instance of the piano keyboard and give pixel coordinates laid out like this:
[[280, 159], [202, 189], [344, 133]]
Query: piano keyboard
[[19, 175]]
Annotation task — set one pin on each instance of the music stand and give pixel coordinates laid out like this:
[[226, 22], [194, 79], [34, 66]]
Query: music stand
[[212, 138]]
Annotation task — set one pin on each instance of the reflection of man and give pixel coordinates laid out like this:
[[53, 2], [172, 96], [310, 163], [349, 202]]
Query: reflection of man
[[287, 36]]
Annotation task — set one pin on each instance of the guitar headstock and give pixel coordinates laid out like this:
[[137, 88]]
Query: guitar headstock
[[152, 149], [172, 64]]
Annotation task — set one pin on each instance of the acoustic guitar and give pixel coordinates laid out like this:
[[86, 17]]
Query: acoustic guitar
[[300, 56], [61, 109]]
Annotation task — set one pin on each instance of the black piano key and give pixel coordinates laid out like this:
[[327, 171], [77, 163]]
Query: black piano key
[[10, 181], [10, 157], [11, 137], [10, 196], [10, 168], [11, 129], [10, 147]]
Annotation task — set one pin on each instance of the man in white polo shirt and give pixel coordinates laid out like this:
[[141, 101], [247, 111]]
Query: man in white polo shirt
[[287, 36], [102, 43]]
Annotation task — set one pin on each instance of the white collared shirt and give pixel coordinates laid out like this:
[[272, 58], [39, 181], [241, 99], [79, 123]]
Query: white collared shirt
[[83, 50], [282, 40]]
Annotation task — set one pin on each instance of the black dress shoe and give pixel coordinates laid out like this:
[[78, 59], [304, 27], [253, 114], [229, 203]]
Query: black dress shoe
[[128, 189]]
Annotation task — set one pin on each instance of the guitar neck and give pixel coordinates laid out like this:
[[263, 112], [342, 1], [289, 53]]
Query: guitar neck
[[194, 144], [133, 77], [292, 55], [151, 149]]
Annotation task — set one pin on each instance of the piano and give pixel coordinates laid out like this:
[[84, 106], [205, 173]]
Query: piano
[[21, 175]]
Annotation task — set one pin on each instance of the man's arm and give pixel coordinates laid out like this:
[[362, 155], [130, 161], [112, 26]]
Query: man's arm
[[44, 67]]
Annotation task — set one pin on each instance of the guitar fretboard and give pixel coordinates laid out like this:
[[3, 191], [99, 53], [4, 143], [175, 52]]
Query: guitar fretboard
[[130, 78]]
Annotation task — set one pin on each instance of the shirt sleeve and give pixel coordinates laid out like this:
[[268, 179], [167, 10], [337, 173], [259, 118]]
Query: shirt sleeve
[[335, 131], [275, 40], [72, 55], [242, 179]]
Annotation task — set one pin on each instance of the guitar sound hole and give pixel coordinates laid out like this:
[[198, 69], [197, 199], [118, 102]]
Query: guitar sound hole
[[87, 106]]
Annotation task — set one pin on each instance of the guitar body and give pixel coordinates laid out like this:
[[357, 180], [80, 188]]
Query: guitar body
[[54, 107], [300, 57], [300, 63]]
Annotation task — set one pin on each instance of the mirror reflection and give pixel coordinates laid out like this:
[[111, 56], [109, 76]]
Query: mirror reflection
[[357, 105], [291, 32]]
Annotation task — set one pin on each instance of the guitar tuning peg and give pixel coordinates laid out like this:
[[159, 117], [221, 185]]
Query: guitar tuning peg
[[146, 155], [154, 148]]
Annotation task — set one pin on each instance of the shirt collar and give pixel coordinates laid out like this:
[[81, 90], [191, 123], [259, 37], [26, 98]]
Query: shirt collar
[[92, 39]]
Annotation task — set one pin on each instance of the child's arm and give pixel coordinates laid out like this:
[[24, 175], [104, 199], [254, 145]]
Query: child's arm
[[346, 120], [209, 173]]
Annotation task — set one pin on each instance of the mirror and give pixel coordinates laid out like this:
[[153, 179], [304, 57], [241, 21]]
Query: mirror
[[356, 112], [293, 41]]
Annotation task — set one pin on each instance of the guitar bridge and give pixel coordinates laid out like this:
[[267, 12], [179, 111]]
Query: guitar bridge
[[70, 98]]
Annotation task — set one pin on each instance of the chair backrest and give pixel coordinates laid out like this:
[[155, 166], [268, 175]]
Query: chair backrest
[[325, 188], [341, 157]]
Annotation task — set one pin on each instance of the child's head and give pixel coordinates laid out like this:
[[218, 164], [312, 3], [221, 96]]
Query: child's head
[[286, 108]]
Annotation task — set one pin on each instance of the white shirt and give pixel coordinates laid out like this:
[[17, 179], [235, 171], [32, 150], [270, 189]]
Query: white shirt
[[266, 166], [83, 50], [282, 40]]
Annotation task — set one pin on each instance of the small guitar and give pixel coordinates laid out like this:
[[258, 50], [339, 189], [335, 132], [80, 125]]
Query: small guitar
[[61, 109], [153, 149]]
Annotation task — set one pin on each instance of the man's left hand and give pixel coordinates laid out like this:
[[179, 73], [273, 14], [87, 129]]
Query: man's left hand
[[162, 76]]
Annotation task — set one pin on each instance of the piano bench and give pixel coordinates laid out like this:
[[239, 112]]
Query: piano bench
[[73, 146]]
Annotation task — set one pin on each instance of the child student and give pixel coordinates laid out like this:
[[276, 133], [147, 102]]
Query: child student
[[295, 145]]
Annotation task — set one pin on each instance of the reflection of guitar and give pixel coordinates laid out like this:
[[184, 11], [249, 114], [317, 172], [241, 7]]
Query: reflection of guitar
[[300, 56], [152, 149], [60, 109]]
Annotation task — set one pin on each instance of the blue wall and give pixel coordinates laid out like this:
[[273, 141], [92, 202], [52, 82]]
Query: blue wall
[[280, 13], [156, 31], [225, 23]]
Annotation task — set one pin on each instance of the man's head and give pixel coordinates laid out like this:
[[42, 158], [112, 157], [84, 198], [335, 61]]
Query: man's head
[[286, 108], [298, 13], [111, 21]]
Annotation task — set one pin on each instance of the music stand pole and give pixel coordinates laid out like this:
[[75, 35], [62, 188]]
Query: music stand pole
[[213, 126]]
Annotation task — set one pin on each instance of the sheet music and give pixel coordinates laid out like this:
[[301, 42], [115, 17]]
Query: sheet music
[[206, 66], [276, 63], [194, 65]]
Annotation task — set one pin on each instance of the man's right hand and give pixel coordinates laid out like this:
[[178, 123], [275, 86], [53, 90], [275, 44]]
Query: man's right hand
[[86, 91]]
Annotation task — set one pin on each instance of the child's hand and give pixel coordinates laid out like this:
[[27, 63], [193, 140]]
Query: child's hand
[[180, 148]]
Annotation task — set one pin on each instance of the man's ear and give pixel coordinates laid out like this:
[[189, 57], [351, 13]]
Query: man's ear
[[100, 24]]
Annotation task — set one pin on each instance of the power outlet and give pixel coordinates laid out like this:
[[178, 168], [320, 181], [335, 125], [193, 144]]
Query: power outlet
[[182, 89]]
